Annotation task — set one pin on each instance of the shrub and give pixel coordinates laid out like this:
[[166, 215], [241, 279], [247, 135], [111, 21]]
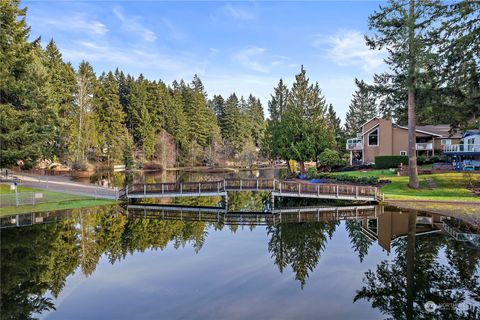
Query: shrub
[[421, 160], [387, 162], [371, 180], [329, 159], [80, 165], [27, 165]]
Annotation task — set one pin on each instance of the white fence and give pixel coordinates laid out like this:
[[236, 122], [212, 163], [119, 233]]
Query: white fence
[[21, 198]]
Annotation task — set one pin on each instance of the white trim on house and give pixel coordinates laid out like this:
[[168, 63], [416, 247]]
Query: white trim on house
[[378, 138], [421, 131], [375, 126], [376, 117]]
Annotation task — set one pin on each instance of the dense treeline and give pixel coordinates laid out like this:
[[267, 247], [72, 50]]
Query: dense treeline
[[51, 110]]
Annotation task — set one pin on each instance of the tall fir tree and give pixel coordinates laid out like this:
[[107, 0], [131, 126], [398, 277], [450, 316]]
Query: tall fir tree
[[110, 119], [404, 28], [255, 120], [27, 123], [61, 86], [362, 108]]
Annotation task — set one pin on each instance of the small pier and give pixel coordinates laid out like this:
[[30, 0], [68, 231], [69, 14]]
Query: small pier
[[276, 187]]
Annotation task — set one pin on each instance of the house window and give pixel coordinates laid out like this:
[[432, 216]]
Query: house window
[[446, 142], [373, 138], [403, 153]]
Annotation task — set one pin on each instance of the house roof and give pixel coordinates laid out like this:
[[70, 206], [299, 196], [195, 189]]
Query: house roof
[[471, 133], [418, 130], [442, 130]]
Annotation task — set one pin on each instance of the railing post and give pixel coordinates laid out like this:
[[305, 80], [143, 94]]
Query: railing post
[[299, 188], [144, 189], [181, 188], [336, 187], [257, 184], [356, 192], [318, 191], [126, 190], [241, 183], [163, 188], [199, 188]]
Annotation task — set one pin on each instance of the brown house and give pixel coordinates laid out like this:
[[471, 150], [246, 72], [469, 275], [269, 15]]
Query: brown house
[[382, 137]]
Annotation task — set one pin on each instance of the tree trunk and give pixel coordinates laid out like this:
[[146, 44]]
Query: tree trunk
[[410, 256], [412, 150]]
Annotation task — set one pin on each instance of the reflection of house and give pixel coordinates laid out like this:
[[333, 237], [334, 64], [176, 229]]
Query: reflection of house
[[468, 152], [382, 137], [390, 225]]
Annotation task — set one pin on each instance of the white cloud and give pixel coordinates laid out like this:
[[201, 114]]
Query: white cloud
[[119, 56], [255, 58], [77, 23], [240, 12], [132, 25], [248, 58], [348, 48]]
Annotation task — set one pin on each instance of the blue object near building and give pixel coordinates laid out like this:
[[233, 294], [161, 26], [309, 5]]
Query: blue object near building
[[317, 181]]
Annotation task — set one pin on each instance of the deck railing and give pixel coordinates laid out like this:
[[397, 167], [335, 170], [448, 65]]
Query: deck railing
[[424, 146], [461, 148]]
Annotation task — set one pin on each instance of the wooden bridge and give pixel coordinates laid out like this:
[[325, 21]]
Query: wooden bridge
[[276, 216], [276, 187]]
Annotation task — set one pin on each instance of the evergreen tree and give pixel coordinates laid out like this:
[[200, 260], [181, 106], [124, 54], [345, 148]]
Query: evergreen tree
[[335, 124], [255, 119], [272, 144], [61, 86], [233, 124], [27, 124], [397, 24], [361, 109], [175, 119], [109, 118], [305, 131]]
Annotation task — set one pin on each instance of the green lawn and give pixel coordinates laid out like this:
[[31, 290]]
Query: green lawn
[[450, 186], [51, 201]]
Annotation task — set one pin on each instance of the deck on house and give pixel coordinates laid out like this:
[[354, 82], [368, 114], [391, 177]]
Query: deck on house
[[278, 188]]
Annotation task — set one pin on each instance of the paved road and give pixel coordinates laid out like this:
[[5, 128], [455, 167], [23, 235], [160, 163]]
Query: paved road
[[64, 184]]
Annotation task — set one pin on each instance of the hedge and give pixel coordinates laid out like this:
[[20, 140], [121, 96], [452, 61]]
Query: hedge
[[371, 180], [387, 162]]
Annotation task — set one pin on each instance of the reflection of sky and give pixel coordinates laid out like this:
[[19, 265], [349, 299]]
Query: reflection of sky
[[232, 277]]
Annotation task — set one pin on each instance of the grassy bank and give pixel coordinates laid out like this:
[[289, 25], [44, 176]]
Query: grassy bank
[[442, 186], [51, 201]]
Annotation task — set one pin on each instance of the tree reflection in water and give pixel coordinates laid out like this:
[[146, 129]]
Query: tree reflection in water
[[401, 287], [37, 260], [299, 245]]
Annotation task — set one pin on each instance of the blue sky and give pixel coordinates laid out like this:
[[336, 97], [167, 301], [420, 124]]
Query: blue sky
[[242, 47]]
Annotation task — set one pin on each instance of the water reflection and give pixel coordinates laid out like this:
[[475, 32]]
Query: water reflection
[[417, 284], [421, 266], [120, 179]]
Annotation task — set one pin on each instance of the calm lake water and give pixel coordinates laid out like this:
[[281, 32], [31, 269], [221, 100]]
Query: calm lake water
[[142, 262]]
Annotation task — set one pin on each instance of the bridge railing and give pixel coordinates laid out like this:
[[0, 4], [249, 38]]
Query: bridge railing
[[176, 187], [325, 189], [249, 184], [282, 187]]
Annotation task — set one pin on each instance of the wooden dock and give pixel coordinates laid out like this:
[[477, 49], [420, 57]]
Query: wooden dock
[[276, 187]]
